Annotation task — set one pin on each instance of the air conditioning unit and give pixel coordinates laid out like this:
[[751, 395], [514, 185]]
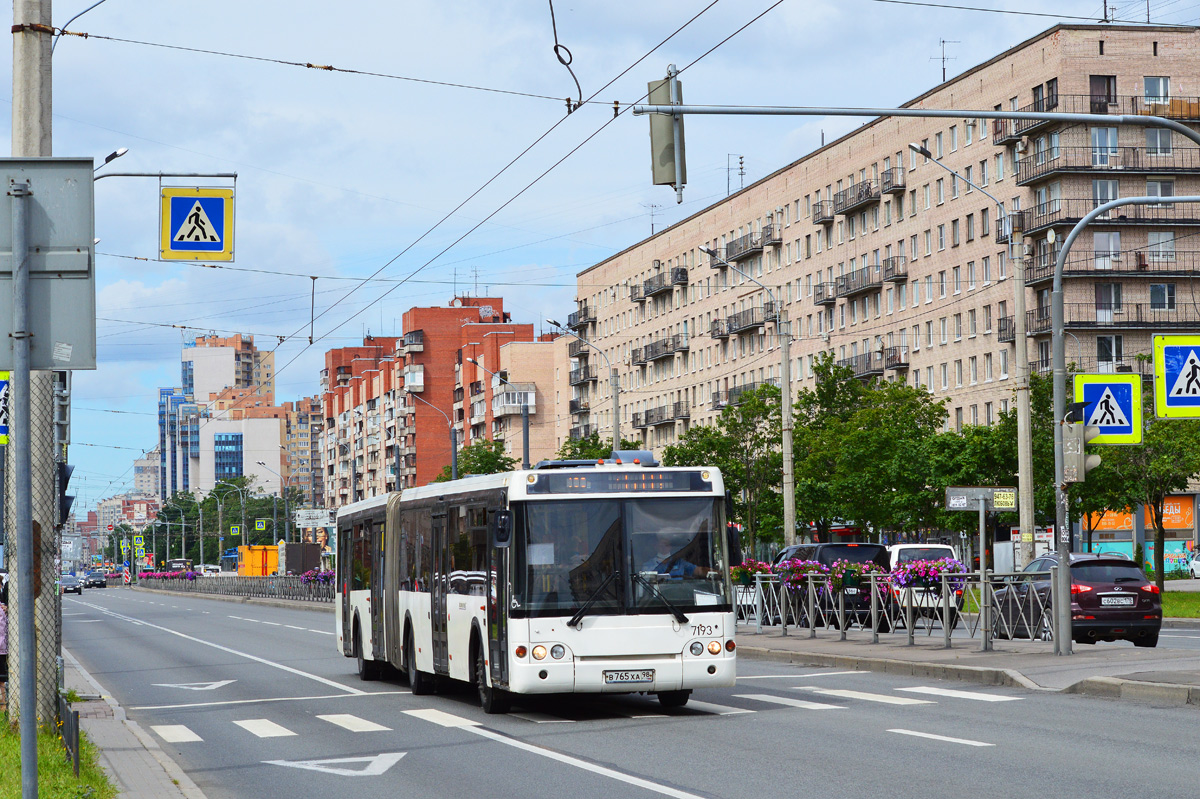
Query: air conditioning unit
[[1022, 146]]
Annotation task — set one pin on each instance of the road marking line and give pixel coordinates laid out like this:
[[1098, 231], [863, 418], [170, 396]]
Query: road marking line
[[321, 632], [374, 765], [354, 723], [272, 623], [264, 728], [945, 738], [293, 627], [789, 702], [255, 658], [719, 710], [542, 718], [265, 699], [581, 764], [794, 676], [439, 717], [864, 696], [831, 673], [925, 689], [85, 621], [175, 733]]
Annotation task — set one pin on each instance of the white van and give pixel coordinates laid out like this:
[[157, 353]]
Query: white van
[[925, 601], [902, 553]]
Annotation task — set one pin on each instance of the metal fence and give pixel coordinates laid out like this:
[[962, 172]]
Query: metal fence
[[279, 587], [1002, 606], [68, 730]]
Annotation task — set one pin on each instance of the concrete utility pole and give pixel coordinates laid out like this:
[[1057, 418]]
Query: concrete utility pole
[[30, 473]]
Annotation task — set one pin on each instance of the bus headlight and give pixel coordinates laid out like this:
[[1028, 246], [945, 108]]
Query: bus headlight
[[539, 652], [714, 647], [557, 651], [697, 648], [521, 651]]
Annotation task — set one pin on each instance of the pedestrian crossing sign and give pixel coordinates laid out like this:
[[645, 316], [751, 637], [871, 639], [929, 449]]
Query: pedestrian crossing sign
[[1114, 404], [235, 529], [1177, 377], [260, 524], [196, 224]]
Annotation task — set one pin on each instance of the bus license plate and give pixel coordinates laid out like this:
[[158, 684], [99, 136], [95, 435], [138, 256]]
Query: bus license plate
[[1116, 600], [621, 677]]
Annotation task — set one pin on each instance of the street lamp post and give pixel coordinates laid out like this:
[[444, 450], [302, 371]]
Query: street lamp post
[[240, 491], [199, 524], [616, 382], [287, 517], [524, 414], [1024, 550], [784, 332], [453, 437]]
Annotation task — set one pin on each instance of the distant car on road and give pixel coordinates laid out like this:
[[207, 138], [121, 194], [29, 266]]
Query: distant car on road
[[210, 569], [96, 579], [1194, 566], [71, 584]]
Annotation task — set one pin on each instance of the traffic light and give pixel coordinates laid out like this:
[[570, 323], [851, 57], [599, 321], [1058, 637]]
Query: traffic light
[[665, 131], [65, 501], [1076, 462]]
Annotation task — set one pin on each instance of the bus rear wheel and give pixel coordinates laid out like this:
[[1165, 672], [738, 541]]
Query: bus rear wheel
[[420, 682], [674, 698], [493, 700], [368, 670]]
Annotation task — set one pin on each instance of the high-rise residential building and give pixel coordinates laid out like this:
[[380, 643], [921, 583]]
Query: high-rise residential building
[[300, 463], [903, 271], [529, 374], [146, 474]]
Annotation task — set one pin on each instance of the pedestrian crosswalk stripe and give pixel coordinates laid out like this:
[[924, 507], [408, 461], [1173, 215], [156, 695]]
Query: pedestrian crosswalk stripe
[[175, 733], [945, 738], [353, 723], [925, 689], [788, 701], [541, 718], [264, 728], [439, 717], [866, 697], [720, 710]]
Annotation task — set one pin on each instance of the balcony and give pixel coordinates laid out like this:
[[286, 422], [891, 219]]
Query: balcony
[[1070, 211], [476, 388], [1085, 160], [414, 379], [719, 328], [513, 398], [666, 414], [578, 349], [581, 318], [639, 421], [636, 294], [1109, 316], [895, 358], [891, 181], [825, 294], [859, 281], [1180, 108], [666, 346], [1093, 365], [744, 247], [1006, 329], [822, 212], [751, 318], [716, 258], [1134, 263], [413, 341], [579, 405], [772, 235], [1004, 131], [665, 281], [637, 356], [869, 364], [895, 269], [582, 375], [738, 392], [849, 200], [582, 431]]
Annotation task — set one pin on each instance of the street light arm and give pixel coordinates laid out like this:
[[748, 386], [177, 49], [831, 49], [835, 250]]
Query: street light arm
[[712, 254], [925, 152]]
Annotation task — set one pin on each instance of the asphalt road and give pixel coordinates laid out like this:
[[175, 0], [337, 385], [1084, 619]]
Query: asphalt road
[[254, 701]]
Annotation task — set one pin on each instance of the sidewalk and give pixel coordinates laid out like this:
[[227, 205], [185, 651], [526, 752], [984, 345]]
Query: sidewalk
[[1160, 676], [132, 759]]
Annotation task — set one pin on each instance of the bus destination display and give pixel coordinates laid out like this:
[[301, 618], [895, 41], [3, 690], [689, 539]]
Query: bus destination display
[[609, 482]]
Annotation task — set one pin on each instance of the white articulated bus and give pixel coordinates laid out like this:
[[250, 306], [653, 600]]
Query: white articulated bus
[[573, 577]]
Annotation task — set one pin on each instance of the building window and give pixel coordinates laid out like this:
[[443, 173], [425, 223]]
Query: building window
[[1110, 352], [1162, 296], [954, 233], [958, 373], [941, 190], [227, 451], [1158, 141], [941, 237], [1157, 187], [942, 284], [973, 370], [958, 327], [1003, 364], [957, 279], [971, 323], [1162, 245], [1158, 89]]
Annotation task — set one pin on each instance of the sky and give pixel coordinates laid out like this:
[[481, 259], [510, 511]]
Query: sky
[[438, 158]]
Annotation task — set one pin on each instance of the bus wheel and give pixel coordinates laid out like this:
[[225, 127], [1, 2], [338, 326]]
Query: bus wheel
[[673, 698], [491, 699], [368, 670], [420, 682]]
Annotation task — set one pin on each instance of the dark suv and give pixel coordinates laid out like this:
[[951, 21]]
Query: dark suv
[[858, 599], [1111, 599]]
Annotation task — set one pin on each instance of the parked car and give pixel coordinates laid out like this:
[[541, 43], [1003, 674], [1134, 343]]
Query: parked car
[[210, 569], [926, 602], [1111, 600], [71, 584], [902, 553], [858, 599], [96, 579], [1194, 566]]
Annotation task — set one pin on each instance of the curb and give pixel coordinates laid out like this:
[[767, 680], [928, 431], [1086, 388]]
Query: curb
[[177, 775], [974, 674], [294, 604], [1157, 693]]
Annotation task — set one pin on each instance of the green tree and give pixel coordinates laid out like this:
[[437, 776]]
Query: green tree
[[593, 448], [482, 457]]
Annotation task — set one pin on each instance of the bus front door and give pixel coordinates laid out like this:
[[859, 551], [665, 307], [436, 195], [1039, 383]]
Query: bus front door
[[378, 645], [441, 587]]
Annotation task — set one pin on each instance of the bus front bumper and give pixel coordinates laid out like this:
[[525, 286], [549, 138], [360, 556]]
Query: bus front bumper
[[621, 675]]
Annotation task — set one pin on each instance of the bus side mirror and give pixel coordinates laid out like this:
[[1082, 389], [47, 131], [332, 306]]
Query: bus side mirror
[[734, 542], [501, 528], [728, 505]]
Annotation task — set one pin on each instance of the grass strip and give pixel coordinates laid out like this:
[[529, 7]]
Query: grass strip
[[56, 777]]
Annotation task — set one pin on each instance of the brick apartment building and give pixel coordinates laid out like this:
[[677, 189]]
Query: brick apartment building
[[899, 269]]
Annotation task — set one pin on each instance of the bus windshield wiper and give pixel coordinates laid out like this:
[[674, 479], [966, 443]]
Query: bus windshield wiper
[[676, 612], [579, 614]]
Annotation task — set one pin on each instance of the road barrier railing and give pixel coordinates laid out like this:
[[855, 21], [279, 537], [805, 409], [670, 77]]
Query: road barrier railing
[[276, 587]]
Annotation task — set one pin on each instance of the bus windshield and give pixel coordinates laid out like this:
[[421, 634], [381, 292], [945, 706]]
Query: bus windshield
[[623, 555]]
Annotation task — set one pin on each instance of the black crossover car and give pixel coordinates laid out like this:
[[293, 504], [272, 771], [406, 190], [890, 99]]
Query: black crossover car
[[96, 579]]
